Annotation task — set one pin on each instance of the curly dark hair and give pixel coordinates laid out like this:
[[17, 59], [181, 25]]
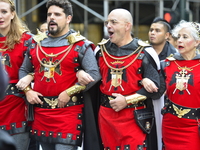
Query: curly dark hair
[[64, 4]]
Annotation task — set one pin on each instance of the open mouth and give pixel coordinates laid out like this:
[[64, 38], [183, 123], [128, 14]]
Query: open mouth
[[110, 33], [52, 24], [180, 47]]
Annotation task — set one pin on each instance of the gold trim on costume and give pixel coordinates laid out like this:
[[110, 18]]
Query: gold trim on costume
[[75, 89], [53, 103], [135, 98], [39, 36], [75, 37], [180, 112]]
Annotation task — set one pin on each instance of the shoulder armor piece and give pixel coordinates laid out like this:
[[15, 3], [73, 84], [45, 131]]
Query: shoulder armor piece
[[39, 36], [142, 43], [103, 41], [170, 57], [75, 37]]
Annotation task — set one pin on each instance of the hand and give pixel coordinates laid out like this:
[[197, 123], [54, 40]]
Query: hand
[[84, 78], [118, 103], [63, 99], [24, 82], [149, 85], [32, 97]]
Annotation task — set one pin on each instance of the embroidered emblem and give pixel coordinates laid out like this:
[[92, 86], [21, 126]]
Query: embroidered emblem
[[116, 78], [180, 112], [49, 69], [182, 80]]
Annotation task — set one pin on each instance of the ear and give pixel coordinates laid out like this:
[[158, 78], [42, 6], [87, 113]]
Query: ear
[[167, 34], [69, 19], [128, 26], [197, 43], [13, 14]]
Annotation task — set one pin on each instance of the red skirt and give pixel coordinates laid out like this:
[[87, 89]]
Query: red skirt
[[119, 129], [12, 114], [180, 133], [60, 125]]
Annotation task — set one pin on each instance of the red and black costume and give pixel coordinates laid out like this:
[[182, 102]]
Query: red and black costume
[[56, 62], [122, 69], [181, 114], [13, 106]]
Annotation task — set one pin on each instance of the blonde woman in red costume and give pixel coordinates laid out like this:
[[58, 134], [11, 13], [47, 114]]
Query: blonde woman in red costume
[[14, 41], [181, 115]]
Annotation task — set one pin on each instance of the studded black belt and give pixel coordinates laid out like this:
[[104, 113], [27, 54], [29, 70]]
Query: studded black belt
[[52, 101], [12, 90], [181, 111], [105, 99]]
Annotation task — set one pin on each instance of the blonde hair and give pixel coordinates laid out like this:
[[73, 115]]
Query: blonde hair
[[17, 28]]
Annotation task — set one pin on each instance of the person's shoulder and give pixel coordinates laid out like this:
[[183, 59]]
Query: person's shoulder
[[75, 37], [171, 48], [103, 42], [143, 43]]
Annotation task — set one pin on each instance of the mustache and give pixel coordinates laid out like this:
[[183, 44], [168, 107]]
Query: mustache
[[52, 22]]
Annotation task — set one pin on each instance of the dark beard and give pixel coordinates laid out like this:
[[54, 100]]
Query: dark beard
[[54, 32]]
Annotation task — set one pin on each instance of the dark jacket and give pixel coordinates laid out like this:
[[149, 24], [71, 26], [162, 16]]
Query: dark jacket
[[167, 50]]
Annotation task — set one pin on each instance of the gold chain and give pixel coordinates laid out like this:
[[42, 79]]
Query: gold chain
[[189, 68], [3, 50], [118, 69], [69, 48], [52, 55], [121, 58]]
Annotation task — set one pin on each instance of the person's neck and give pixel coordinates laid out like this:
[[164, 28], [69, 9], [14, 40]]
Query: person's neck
[[5, 31], [189, 56], [125, 42], [158, 48]]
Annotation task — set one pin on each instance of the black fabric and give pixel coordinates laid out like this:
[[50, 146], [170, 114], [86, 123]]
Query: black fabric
[[92, 140], [6, 141], [3, 81], [167, 50], [145, 119]]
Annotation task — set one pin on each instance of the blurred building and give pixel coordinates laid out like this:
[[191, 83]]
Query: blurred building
[[89, 14]]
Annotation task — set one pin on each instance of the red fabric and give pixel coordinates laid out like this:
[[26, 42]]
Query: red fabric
[[54, 86], [12, 111], [64, 120], [14, 57], [129, 80], [120, 130], [181, 133], [12, 108]]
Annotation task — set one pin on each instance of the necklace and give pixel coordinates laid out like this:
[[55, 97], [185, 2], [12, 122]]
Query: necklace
[[67, 50], [117, 69], [53, 55], [121, 58], [185, 67]]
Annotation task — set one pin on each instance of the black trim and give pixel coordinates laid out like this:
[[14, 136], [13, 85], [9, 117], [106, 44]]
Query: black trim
[[194, 113], [15, 130], [50, 139]]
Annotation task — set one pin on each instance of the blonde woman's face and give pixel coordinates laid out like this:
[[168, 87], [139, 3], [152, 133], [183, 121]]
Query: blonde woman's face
[[5, 17]]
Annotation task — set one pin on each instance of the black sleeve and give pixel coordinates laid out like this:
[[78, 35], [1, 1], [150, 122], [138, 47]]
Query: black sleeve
[[150, 71], [26, 67], [3, 81]]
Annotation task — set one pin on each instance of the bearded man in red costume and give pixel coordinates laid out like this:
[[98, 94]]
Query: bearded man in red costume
[[56, 59]]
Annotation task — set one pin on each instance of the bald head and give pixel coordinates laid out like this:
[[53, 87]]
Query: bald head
[[123, 14]]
